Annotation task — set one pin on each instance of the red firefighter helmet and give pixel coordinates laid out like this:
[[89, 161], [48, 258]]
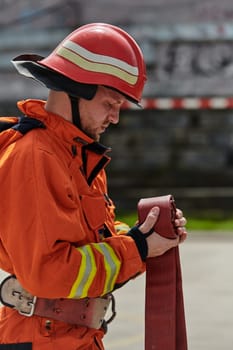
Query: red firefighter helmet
[[94, 54]]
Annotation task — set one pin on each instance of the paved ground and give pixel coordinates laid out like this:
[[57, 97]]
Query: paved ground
[[207, 264]]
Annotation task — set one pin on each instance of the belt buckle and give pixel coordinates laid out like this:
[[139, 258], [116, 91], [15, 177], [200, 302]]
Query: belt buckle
[[29, 303], [13, 295]]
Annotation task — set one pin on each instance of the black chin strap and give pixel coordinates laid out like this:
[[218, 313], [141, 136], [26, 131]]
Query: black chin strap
[[75, 111]]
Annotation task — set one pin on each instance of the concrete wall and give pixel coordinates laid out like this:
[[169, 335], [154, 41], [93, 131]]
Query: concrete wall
[[186, 153]]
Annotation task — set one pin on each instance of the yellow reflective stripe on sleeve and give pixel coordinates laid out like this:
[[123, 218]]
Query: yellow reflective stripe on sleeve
[[112, 265], [121, 227], [86, 273]]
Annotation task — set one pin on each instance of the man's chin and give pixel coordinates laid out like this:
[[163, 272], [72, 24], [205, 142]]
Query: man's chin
[[93, 137]]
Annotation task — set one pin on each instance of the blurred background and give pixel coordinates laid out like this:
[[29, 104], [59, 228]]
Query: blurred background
[[182, 142]]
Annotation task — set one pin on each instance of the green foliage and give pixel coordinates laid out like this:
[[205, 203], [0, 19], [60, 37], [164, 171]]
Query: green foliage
[[128, 218], [203, 222]]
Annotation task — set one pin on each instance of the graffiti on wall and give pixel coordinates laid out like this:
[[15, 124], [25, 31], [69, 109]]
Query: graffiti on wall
[[191, 68]]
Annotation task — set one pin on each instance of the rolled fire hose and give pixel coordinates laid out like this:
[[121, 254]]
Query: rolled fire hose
[[165, 327]]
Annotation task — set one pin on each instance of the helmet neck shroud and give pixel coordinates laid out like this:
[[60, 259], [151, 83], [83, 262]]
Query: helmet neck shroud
[[56, 81]]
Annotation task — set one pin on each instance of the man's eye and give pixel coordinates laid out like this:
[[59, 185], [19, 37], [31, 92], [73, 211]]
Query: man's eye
[[108, 105]]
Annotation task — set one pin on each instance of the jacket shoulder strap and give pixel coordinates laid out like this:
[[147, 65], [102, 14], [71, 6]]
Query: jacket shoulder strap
[[13, 128], [21, 124]]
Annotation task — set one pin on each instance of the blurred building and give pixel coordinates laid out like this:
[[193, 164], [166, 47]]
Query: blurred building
[[182, 142]]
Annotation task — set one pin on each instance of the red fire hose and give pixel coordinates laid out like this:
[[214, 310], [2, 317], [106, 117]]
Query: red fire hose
[[165, 327]]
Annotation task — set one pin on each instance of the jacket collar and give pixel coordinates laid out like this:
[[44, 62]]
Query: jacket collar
[[63, 128]]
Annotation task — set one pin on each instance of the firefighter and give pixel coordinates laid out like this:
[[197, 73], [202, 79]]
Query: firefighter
[[60, 243]]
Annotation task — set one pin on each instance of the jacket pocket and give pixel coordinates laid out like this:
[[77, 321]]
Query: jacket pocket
[[94, 211]]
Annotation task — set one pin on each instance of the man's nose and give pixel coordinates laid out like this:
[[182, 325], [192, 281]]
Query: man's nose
[[114, 117]]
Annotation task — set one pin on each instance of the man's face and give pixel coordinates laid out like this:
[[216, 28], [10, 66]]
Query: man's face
[[97, 114]]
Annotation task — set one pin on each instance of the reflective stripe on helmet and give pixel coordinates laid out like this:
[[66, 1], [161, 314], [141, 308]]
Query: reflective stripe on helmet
[[93, 54], [90, 61]]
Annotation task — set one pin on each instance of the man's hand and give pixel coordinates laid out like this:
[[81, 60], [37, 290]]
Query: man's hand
[[158, 245]]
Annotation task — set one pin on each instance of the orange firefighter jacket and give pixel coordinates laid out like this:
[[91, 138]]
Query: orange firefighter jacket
[[57, 228]]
